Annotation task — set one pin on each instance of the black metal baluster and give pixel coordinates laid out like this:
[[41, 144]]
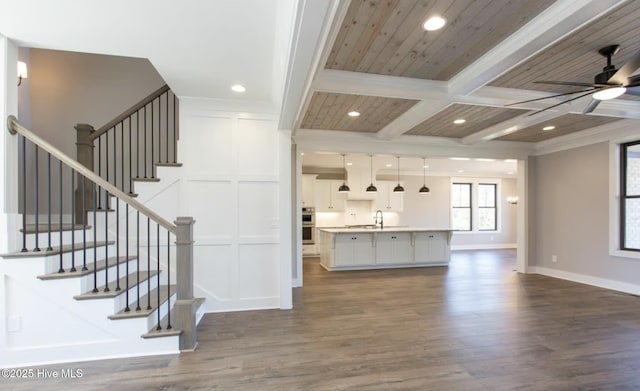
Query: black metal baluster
[[115, 148], [49, 248], [24, 195], [127, 309], [166, 102], [137, 144], [175, 133], [99, 167], [158, 277], [153, 167], [118, 245], [149, 264], [168, 279], [73, 221], [61, 269], [84, 225], [145, 140], [95, 240], [106, 247], [159, 130], [138, 254], [122, 155], [106, 161], [37, 152], [130, 160]]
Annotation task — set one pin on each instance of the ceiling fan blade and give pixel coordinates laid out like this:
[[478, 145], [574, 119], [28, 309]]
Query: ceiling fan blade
[[621, 77], [568, 83], [561, 103], [633, 90], [591, 106], [550, 96]]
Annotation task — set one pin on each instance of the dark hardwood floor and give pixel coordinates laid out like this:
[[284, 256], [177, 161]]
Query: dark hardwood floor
[[476, 325]]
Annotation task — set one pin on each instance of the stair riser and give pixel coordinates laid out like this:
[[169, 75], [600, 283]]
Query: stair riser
[[53, 261], [152, 319], [120, 302], [43, 238]]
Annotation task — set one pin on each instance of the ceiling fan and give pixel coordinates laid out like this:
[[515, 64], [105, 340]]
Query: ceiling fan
[[608, 84]]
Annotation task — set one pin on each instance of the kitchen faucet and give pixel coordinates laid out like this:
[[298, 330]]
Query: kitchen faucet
[[381, 219]]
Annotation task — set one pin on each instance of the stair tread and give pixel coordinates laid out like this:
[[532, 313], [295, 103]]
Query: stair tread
[[79, 272], [55, 251], [165, 293], [101, 294], [136, 179], [44, 228], [159, 164], [155, 333]]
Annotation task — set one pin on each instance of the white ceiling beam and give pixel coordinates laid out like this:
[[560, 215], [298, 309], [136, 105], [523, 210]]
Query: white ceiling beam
[[358, 83], [560, 19]]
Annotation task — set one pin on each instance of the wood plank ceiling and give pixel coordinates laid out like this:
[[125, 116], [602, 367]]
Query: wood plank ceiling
[[573, 58], [329, 111], [386, 37], [566, 124], [476, 119]]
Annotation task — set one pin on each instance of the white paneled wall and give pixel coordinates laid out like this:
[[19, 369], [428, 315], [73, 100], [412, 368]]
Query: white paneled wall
[[231, 185]]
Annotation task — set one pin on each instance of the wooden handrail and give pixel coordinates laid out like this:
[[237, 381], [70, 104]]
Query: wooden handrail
[[129, 112], [15, 127]]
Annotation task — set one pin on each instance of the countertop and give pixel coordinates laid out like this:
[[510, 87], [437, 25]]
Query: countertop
[[386, 229]]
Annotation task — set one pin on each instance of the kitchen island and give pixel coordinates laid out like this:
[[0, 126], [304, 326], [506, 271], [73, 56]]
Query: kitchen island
[[376, 248]]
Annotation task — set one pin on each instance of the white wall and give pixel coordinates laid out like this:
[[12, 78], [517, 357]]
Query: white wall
[[571, 195], [232, 184], [68, 88]]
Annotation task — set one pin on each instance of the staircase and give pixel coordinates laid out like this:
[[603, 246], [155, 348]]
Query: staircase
[[98, 274]]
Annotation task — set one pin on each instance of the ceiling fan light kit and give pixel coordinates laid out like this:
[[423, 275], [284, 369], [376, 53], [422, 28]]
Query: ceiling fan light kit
[[608, 84]]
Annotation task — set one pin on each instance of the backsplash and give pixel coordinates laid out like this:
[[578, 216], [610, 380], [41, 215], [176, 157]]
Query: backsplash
[[356, 213]]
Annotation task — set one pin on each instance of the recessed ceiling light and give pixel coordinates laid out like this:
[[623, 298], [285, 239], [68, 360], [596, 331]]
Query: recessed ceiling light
[[460, 170], [549, 127], [510, 173], [354, 114], [238, 88], [459, 158], [459, 121], [434, 23], [425, 166], [301, 153], [388, 165], [349, 164]]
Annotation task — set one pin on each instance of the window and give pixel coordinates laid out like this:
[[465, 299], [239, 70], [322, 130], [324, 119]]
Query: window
[[461, 206], [487, 211], [630, 196]]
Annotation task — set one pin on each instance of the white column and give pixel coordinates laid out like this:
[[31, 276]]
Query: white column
[[285, 199], [522, 223]]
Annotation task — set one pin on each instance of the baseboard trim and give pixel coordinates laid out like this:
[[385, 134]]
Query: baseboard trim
[[619, 286], [497, 246]]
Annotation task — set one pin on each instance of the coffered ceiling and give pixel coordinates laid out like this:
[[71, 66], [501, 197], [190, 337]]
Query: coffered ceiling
[[409, 82]]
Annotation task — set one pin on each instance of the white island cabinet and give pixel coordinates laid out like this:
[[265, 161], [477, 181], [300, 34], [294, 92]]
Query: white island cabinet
[[356, 249]]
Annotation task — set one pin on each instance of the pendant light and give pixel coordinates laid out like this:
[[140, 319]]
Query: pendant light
[[371, 188], [344, 188], [398, 188], [424, 189]]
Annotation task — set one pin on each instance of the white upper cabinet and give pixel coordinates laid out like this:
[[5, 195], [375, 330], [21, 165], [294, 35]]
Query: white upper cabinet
[[386, 200], [308, 184], [327, 198]]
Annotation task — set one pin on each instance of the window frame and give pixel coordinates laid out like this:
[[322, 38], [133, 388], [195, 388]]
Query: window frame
[[624, 196], [494, 207], [470, 207]]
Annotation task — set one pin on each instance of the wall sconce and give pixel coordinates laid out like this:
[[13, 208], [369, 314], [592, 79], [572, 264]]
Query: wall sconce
[[512, 200], [22, 72]]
